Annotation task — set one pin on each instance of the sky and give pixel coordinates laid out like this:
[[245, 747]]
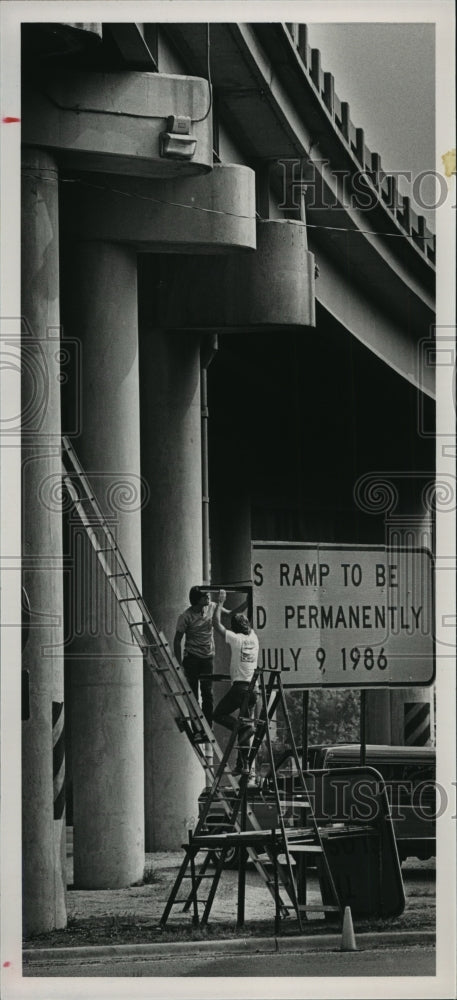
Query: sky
[[386, 74]]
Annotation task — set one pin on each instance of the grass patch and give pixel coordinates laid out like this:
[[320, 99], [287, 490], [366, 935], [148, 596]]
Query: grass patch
[[150, 877], [128, 930]]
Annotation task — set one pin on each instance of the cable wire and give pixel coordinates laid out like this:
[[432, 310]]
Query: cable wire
[[219, 211], [133, 114]]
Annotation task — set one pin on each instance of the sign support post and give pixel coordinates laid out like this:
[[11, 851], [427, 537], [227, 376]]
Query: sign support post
[[363, 733], [304, 728]]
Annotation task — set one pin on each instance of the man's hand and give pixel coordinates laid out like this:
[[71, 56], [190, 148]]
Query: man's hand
[[221, 597]]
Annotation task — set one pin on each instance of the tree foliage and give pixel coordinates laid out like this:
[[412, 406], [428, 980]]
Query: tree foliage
[[333, 716]]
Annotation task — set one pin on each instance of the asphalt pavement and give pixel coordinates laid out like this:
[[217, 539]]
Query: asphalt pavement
[[291, 958]]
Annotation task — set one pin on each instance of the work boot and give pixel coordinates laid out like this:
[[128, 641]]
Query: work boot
[[240, 770], [241, 766]]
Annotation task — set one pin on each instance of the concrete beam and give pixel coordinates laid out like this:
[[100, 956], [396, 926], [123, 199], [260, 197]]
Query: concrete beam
[[112, 122], [206, 214], [131, 42], [273, 288], [382, 329]]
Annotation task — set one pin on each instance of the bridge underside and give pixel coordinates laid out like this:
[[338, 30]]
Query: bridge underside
[[314, 415], [217, 390]]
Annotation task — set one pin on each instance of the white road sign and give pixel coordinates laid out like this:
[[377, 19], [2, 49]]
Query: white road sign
[[341, 615]]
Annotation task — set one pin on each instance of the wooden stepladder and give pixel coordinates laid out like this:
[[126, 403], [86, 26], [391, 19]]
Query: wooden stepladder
[[265, 848]]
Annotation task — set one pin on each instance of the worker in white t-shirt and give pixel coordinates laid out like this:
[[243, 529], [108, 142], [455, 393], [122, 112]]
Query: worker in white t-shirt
[[244, 649]]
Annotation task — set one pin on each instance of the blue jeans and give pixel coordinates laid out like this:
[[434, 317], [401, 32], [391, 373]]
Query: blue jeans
[[194, 667], [237, 697]]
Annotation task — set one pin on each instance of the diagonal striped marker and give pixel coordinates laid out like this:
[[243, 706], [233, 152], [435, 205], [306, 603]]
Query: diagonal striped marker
[[58, 758], [417, 723]]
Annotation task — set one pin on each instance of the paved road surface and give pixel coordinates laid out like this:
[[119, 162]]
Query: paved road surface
[[418, 961]]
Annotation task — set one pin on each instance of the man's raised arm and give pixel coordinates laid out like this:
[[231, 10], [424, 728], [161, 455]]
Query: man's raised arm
[[217, 614]]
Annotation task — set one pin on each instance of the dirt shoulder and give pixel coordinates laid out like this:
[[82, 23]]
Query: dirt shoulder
[[132, 915]]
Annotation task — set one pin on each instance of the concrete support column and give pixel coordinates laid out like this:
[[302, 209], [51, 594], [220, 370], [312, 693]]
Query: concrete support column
[[43, 764], [401, 716], [100, 309], [412, 709], [172, 543], [378, 726]]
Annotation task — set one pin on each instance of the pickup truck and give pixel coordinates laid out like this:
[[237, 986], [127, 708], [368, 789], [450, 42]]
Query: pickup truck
[[408, 773]]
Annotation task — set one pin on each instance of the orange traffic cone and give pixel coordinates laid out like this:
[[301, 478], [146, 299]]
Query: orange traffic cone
[[348, 937]]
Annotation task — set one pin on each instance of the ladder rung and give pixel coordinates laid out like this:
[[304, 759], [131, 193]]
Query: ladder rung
[[302, 848], [109, 548], [293, 802], [151, 645], [122, 600]]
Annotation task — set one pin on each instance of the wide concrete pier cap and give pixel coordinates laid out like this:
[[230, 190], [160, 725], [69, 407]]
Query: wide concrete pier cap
[[271, 288]]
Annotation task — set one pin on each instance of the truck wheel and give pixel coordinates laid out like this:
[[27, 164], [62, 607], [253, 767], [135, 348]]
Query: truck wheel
[[231, 856]]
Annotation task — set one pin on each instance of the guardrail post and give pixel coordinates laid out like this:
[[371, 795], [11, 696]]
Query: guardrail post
[[406, 214], [302, 44], [360, 146], [329, 92], [345, 120], [376, 172], [316, 68]]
